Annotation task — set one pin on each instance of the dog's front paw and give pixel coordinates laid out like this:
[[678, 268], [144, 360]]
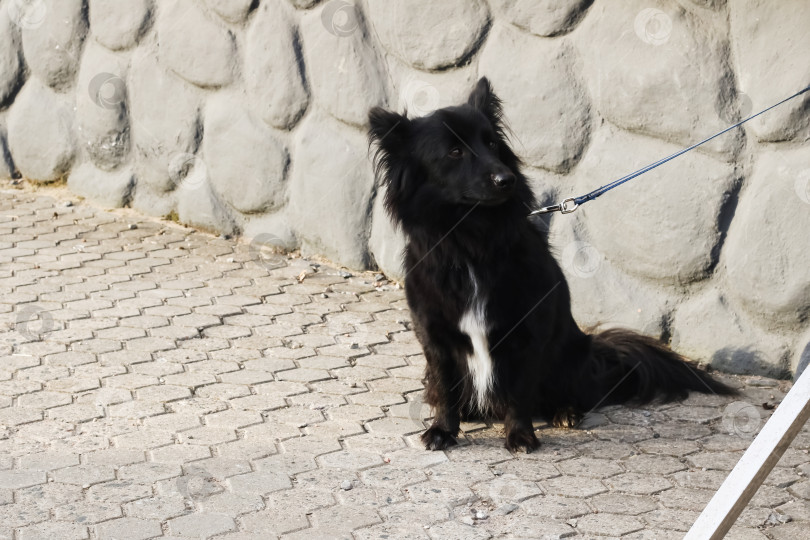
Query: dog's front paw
[[522, 438], [566, 418], [436, 438]]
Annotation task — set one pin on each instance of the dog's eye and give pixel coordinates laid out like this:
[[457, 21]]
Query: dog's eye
[[455, 153], [493, 144]]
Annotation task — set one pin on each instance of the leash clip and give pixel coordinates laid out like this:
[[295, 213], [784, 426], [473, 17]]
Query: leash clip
[[566, 207]]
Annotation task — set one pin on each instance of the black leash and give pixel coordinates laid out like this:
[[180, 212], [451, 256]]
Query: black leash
[[572, 203]]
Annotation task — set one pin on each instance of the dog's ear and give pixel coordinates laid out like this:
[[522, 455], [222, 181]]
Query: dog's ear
[[391, 133], [387, 129], [485, 100]]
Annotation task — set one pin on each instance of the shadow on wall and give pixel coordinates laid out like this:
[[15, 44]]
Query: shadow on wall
[[750, 361]]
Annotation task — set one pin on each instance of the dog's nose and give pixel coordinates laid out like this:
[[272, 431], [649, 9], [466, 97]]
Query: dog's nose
[[503, 180]]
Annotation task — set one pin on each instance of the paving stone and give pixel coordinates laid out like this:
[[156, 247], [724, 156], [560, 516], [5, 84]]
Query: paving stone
[[616, 503], [157, 508], [66, 531], [685, 498], [594, 468], [572, 486], [678, 520], [201, 525], [129, 529], [259, 482], [610, 524], [48, 461]]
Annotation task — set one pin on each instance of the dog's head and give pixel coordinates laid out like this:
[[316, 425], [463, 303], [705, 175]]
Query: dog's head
[[456, 156]]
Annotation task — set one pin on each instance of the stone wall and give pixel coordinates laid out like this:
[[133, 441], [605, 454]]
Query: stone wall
[[247, 116]]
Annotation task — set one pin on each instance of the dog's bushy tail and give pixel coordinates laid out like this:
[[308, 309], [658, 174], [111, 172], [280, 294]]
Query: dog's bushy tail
[[624, 366]]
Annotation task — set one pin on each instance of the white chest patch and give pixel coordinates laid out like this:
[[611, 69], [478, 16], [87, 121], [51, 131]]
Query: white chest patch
[[479, 363]]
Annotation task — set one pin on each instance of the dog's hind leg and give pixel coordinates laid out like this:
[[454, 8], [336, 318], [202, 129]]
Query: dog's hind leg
[[567, 417]]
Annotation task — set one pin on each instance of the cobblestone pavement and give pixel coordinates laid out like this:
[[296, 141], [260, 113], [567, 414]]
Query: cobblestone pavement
[[157, 381]]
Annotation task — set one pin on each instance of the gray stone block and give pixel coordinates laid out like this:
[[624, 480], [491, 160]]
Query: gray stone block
[[768, 44], [386, 242], [7, 168], [664, 225], [11, 62], [111, 189], [194, 46], [744, 348], [304, 4], [274, 70], [420, 93], [167, 127], [346, 73], [801, 359], [766, 259], [151, 201], [198, 206], [428, 35], [246, 164], [233, 11], [331, 190], [270, 229], [545, 105], [101, 106], [40, 133], [120, 24], [661, 72], [52, 46], [544, 17], [601, 294]]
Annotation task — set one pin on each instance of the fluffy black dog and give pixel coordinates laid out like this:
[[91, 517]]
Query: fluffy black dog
[[490, 304]]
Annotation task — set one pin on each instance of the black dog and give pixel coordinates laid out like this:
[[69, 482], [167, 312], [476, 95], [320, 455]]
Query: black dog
[[490, 304]]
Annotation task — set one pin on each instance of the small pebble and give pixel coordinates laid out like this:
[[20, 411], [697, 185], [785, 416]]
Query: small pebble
[[132, 226], [346, 485], [481, 514], [507, 509], [379, 277], [345, 275]]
